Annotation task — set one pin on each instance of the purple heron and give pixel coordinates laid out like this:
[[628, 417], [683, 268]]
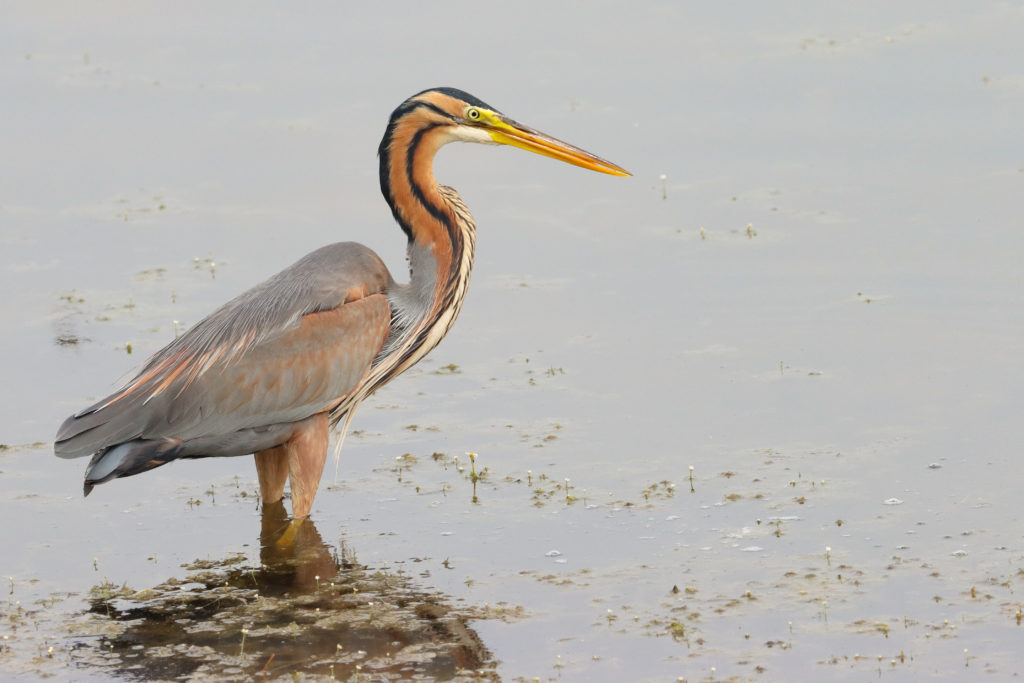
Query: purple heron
[[269, 372]]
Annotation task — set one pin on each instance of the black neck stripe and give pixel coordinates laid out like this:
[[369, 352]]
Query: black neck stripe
[[385, 154]]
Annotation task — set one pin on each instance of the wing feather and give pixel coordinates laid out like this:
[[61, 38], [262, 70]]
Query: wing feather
[[300, 341]]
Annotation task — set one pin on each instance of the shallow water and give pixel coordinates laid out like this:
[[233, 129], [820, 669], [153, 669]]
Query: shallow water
[[818, 310]]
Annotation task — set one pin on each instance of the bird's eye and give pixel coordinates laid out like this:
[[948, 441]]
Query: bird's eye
[[472, 114]]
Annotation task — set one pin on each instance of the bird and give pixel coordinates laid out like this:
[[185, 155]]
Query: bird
[[273, 370]]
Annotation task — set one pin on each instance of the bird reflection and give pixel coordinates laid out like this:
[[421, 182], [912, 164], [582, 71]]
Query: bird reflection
[[293, 556], [306, 609]]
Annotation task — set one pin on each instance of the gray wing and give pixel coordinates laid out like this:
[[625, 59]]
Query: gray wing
[[291, 347]]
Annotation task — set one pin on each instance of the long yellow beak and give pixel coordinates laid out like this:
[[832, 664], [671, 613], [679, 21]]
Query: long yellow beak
[[505, 131]]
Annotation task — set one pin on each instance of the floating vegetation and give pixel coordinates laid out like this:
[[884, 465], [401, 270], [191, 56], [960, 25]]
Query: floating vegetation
[[208, 264], [450, 369], [67, 339]]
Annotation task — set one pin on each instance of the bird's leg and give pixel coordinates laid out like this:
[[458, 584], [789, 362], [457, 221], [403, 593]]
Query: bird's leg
[[307, 453], [272, 470]]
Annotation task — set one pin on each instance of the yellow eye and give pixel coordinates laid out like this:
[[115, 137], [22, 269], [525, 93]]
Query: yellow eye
[[472, 114]]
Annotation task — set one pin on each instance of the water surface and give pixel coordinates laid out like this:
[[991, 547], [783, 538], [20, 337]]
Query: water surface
[[810, 293]]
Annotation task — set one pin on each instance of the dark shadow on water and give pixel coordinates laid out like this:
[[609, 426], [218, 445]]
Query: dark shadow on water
[[307, 609]]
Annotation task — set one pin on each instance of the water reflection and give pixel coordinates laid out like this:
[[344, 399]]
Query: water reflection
[[305, 609], [293, 556]]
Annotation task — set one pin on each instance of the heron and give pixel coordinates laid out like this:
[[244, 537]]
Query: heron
[[273, 370]]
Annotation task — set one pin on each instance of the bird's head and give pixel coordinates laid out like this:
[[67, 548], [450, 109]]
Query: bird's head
[[465, 118]]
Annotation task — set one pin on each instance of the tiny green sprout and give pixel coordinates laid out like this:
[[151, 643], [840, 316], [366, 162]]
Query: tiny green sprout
[[49, 652], [128, 347], [703, 233], [966, 658], [11, 579], [751, 233], [692, 490], [1019, 616], [824, 609], [317, 579], [828, 555], [664, 186], [529, 477]]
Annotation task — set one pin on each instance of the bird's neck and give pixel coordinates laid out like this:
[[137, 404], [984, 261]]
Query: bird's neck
[[439, 271], [440, 266], [440, 230], [442, 237]]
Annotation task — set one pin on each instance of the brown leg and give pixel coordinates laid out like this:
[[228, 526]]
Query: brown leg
[[272, 470], [307, 453]]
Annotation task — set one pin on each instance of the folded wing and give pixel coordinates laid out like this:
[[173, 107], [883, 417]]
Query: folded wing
[[296, 345]]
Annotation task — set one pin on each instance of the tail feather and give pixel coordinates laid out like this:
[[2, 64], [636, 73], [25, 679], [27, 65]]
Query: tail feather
[[126, 459], [95, 428]]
